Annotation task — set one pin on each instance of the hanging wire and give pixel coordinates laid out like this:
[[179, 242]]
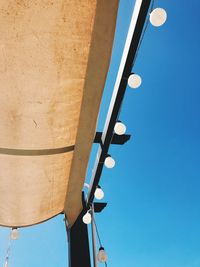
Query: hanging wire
[[97, 232], [11, 238], [8, 253]]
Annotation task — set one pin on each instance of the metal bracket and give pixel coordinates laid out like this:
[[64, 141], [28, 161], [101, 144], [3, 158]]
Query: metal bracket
[[116, 139]]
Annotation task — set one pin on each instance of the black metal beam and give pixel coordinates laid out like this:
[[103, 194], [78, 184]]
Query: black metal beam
[[116, 139], [128, 57], [98, 207]]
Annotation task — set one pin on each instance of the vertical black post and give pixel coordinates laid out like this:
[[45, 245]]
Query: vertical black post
[[78, 243]]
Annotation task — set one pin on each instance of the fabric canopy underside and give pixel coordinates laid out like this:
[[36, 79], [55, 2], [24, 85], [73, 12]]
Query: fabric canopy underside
[[54, 57]]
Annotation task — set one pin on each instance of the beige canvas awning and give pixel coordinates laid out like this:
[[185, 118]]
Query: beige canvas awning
[[54, 57]]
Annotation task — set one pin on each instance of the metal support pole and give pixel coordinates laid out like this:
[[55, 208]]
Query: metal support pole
[[93, 226], [78, 248]]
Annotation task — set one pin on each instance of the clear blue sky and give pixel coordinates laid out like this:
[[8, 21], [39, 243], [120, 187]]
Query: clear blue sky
[[153, 193]]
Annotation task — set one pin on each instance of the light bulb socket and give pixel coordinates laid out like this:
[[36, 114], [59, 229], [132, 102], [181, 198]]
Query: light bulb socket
[[101, 248], [89, 211], [107, 156], [126, 78]]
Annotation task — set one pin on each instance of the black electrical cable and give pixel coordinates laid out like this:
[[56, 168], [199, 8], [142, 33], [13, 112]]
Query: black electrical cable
[[97, 233]]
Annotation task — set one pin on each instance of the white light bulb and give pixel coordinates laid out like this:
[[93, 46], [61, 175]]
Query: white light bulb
[[120, 128], [158, 17], [6, 264], [102, 256], [87, 218], [14, 234], [99, 194], [109, 162], [134, 81]]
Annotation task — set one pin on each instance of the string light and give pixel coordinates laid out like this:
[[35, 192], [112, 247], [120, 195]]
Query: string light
[[99, 194], [158, 17], [119, 128], [134, 81], [109, 162], [14, 234], [87, 218], [102, 256]]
